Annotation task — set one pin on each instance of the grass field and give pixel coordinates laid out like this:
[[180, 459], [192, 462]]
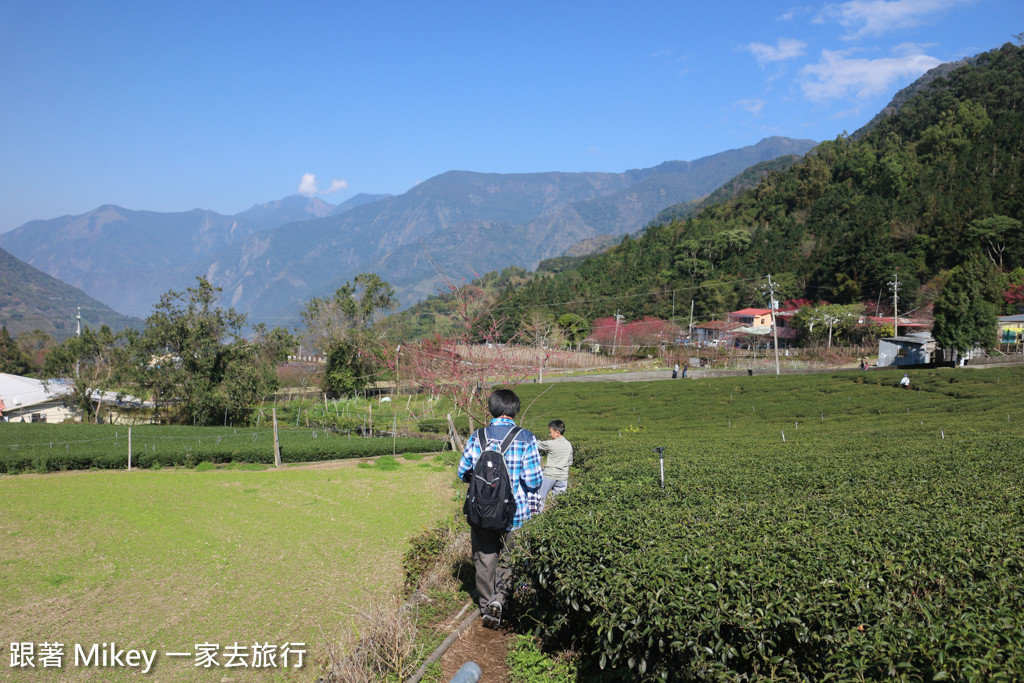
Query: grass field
[[167, 559]]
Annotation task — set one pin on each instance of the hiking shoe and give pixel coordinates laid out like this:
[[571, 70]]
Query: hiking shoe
[[492, 615]]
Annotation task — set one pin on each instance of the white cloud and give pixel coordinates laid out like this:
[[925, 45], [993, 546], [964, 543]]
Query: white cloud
[[307, 186], [838, 75], [785, 48], [876, 17], [752, 104], [337, 185], [792, 13], [907, 49]]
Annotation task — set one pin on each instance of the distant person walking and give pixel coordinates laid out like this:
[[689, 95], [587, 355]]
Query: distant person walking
[[491, 547], [905, 382], [675, 371], [556, 469], [686, 368]]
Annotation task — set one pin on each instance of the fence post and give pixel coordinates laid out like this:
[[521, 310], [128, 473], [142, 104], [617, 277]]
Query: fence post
[[456, 438], [277, 446]]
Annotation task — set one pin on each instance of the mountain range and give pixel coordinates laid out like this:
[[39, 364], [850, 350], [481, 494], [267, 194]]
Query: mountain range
[[926, 196], [273, 257]]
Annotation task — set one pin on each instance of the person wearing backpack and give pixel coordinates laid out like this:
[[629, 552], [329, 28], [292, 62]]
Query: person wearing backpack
[[492, 530]]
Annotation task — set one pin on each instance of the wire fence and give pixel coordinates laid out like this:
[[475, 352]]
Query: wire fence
[[43, 448]]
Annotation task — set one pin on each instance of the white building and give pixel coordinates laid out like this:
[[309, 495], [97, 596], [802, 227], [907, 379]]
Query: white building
[[23, 399]]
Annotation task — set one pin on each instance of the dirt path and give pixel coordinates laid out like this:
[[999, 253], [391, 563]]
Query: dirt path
[[481, 645]]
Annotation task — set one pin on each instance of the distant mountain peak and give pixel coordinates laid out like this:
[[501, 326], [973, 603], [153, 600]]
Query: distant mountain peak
[[276, 255]]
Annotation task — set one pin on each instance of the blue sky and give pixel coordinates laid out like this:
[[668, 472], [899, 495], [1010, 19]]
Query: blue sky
[[223, 105]]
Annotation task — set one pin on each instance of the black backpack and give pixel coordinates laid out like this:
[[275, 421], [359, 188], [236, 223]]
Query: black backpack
[[490, 500]]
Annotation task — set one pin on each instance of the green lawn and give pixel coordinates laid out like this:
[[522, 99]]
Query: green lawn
[[167, 559]]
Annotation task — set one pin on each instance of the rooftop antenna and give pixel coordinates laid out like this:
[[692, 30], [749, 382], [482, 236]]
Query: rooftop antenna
[[78, 333]]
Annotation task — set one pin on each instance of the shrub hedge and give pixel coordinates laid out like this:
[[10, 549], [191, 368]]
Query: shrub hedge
[[440, 426], [48, 448]]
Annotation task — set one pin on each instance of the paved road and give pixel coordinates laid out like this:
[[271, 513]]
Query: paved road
[[648, 375], [761, 370]]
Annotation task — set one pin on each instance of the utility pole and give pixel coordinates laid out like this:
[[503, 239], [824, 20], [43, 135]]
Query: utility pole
[[895, 284], [689, 334], [615, 343], [775, 332]]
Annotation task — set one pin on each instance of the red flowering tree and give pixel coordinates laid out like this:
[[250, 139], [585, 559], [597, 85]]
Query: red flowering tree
[[605, 331], [461, 366], [649, 331], [1014, 297]]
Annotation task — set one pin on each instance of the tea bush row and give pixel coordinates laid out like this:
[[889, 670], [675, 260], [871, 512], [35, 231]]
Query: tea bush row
[[440, 426], [47, 448]]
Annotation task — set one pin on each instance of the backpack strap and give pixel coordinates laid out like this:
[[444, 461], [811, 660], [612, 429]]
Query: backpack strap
[[509, 438], [505, 443], [481, 435]]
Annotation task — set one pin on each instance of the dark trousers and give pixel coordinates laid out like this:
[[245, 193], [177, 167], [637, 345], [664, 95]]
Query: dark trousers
[[491, 558]]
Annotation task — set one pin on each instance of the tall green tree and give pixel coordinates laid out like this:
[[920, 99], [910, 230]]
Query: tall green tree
[[1001, 237], [342, 328], [253, 375], [192, 354], [348, 313], [827, 322], [966, 309], [575, 328], [12, 359], [88, 365], [35, 345], [348, 369]]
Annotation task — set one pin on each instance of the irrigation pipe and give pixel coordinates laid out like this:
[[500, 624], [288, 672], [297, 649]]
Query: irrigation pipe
[[443, 647]]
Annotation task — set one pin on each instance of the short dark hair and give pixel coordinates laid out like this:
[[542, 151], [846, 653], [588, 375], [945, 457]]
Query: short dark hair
[[503, 402], [557, 425]]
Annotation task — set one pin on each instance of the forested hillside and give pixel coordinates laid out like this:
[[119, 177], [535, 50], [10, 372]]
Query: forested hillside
[[929, 185], [32, 300]]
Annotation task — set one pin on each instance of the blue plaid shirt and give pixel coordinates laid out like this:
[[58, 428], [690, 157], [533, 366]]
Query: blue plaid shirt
[[522, 460]]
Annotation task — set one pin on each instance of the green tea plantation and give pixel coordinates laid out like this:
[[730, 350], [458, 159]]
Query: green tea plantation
[[813, 528]]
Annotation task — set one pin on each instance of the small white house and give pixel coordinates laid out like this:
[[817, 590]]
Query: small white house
[[23, 399]]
